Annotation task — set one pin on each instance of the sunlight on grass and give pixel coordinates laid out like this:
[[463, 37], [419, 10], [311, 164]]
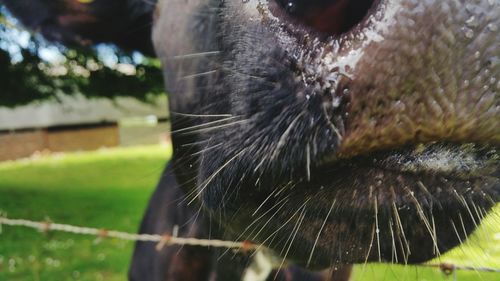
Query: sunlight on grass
[[107, 188], [482, 249]]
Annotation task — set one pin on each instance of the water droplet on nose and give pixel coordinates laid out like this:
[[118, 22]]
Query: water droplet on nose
[[492, 27], [472, 22], [336, 102], [468, 33], [399, 105]]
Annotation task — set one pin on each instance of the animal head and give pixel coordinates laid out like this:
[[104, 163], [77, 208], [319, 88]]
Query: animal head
[[332, 131], [337, 131]]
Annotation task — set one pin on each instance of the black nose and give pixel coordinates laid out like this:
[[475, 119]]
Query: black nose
[[429, 75]]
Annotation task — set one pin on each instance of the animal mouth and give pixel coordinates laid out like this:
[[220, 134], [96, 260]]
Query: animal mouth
[[460, 161], [405, 205], [438, 174], [412, 164]]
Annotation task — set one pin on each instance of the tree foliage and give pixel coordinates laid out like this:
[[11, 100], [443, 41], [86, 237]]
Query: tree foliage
[[26, 78]]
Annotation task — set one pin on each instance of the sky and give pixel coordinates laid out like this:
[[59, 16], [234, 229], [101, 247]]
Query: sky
[[13, 39]]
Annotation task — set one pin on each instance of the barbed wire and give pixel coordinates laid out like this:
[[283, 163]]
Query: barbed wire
[[162, 240], [449, 268], [168, 239]]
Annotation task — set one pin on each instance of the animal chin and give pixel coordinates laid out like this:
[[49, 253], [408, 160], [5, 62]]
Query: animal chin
[[404, 205]]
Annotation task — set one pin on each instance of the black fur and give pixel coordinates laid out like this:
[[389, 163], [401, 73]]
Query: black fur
[[332, 136]]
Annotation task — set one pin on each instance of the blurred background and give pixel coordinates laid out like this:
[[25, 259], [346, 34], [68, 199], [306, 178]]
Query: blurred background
[[84, 139]]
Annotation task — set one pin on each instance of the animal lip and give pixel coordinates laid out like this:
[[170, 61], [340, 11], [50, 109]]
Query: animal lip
[[427, 189], [416, 193], [460, 161]]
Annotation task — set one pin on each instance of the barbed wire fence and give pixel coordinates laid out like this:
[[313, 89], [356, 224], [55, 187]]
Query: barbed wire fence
[[172, 239], [161, 240]]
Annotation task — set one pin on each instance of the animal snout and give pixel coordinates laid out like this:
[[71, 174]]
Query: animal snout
[[431, 74], [393, 73]]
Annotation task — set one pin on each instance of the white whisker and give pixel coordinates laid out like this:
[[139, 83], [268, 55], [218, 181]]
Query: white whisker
[[209, 179], [203, 125], [196, 75], [196, 55], [294, 232], [320, 231]]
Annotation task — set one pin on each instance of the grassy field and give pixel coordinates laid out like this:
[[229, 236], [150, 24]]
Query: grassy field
[[100, 189], [110, 188]]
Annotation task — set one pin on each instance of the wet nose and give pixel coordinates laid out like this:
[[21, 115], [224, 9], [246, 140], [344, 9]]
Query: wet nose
[[427, 71]]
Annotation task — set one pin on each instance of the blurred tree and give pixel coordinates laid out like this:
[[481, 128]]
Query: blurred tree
[[26, 77]]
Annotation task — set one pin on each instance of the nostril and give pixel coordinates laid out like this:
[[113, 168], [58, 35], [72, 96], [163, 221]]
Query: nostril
[[332, 17]]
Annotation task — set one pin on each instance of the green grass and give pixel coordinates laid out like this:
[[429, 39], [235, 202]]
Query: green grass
[[110, 188], [482, 249]]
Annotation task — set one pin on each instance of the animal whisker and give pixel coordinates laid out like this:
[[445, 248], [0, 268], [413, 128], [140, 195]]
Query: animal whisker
[[197, 75], [201, 115], [196, 55], [294, 232], [203, 125], [320, 231], [209, 179], [405, 247], [377, 230], [425, 220], [281, 227]]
